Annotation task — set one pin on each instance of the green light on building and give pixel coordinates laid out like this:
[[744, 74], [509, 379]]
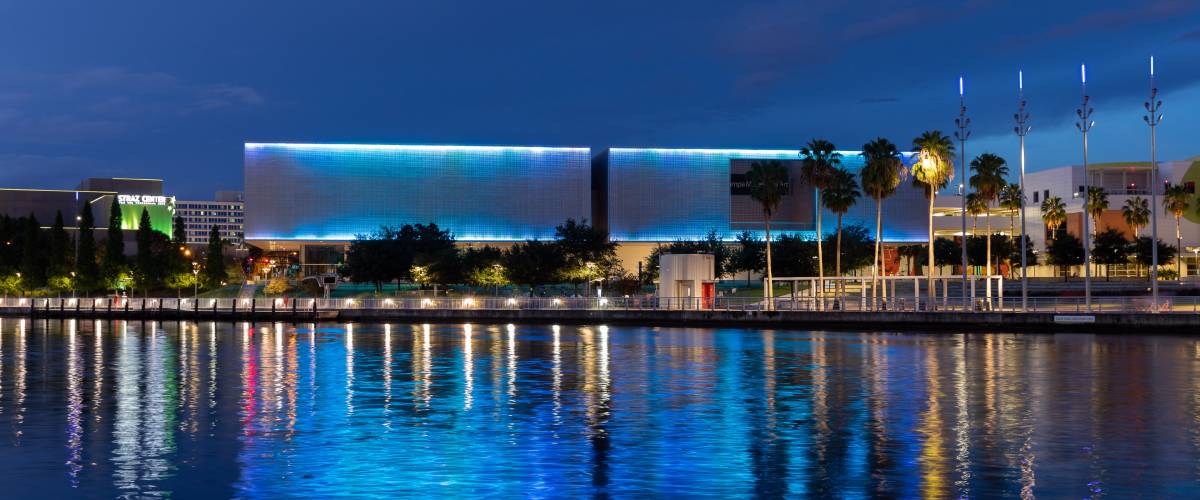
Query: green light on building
[[161, 209]]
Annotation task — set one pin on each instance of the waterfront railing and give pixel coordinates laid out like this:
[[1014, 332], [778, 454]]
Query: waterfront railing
[[1115, 304]]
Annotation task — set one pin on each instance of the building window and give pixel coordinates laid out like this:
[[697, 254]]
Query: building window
[[1035, 196]]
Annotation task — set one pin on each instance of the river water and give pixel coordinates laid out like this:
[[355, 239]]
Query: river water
[[212, 410]]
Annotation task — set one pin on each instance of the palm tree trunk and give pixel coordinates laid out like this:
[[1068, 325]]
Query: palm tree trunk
[[820, 257], [770, 284], [929, 271], [875, 261], [1178, 250], [837, 267]]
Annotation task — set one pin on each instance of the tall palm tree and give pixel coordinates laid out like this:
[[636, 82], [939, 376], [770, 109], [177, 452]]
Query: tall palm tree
[[817, 162], [1136, 213], [1054, 214], [987, 180], [838, 196], [881, 175], [975, 207], [1012, 200], [768, 184], [1095, 205], [934, 172], [1177, 199]]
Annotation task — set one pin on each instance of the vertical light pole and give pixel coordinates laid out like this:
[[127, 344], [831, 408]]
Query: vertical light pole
[[1154, 107], [195, 281], [1021, 129], [962, 134], [1085, 123]]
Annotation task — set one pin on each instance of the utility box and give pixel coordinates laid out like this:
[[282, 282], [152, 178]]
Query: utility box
[[686, 281]]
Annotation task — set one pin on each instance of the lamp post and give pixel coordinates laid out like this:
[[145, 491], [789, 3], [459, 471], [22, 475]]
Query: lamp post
[[1085, 124], [1155, 116], [962, 134], [195, 281], [1022, 129], [72, 284]]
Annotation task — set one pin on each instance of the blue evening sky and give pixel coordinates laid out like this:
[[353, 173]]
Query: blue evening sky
[[173, 89]]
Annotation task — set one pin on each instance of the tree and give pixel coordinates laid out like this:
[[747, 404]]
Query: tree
[[988, 180], [277, 285], [1054, 214], [370, 259], [934, 172], [1012, 200], [534, 263], [587, 250], [881, 175], [818, 161], [946, 252], [148, 268], [60, 256], [1142, 252], [768, 184], [112, 264], [214, 259], [1110, 248], [484, 267], [976, 206], [749, 255], [839, 195], [86, 270], [33, 268], [180, 281], [1065, 251], [1096, 204], [1177, 198], [1136, 213], [178, 232]]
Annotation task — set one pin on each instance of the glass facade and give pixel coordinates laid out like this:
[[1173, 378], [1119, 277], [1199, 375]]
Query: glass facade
[[670, 194], [332, 192]]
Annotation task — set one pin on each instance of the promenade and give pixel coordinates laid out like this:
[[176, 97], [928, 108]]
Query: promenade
[[1060, 314]]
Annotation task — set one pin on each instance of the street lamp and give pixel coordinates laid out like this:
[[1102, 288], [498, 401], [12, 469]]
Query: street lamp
[[1153, 107], [1085, 124], [962, 134], [195, 280], [72, 284], [1021, 129]]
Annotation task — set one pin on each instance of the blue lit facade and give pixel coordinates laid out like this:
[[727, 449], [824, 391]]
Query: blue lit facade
[[332, 192], [670, 194]]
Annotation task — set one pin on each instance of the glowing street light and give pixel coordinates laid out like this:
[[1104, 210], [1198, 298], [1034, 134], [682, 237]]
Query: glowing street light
[[1155, 116], [1022, 128], [1085, 124]]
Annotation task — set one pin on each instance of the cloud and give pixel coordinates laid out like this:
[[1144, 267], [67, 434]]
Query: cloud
[[1191, 36], [106, 102], [1101, 21]]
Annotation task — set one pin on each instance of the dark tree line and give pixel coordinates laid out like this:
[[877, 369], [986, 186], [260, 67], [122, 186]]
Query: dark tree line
[[33, 258], [426, 254]]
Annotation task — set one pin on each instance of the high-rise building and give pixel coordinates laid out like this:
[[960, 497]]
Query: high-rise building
[[226, 211]]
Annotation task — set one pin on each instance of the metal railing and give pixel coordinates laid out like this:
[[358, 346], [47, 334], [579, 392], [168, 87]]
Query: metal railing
[[848, 303]]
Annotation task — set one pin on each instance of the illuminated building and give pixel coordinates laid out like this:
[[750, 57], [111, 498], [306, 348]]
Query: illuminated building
[[226, 211]]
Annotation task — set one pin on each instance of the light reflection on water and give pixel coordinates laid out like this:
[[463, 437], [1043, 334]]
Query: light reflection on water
[[268, 410]]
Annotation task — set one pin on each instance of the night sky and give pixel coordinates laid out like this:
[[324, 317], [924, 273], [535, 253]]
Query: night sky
[[173, 89]]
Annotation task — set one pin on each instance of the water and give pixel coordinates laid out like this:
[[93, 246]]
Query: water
[[132, 409]]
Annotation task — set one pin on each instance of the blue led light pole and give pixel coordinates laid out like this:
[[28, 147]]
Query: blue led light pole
[[1085, 123], [962, 134], [1022, 129], [1154, 107]]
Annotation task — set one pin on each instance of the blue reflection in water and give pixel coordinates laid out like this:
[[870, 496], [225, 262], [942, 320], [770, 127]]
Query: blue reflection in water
[[274, 410]]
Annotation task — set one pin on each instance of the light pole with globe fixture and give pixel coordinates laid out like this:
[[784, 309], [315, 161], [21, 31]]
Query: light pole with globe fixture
[[1155, 116], [195, 281], [1022, 129]]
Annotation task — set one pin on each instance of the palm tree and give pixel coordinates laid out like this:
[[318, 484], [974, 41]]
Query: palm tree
[[975, 207], [768, 184], [838, 196], [1177, 199], [881, 175], [1054, 214], [1096, 204], [1136, 213], [817, 162], [1012, 200], [934, 172], [987, 180]]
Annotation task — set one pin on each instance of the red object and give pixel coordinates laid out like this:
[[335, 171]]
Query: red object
[[708, 290]]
